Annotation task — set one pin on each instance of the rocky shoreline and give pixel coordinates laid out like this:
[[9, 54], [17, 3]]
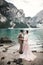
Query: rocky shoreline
[[9, 55]]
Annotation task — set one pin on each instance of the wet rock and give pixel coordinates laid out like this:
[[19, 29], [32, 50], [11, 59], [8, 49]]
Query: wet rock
[[2, 58], [15, 60], [5, 40], [4, 50], [19, 61], [9, 62], [1, 45]]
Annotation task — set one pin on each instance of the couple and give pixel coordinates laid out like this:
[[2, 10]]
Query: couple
[[24, 50]]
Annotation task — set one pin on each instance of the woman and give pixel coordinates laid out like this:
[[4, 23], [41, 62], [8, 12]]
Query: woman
[[27, 54]]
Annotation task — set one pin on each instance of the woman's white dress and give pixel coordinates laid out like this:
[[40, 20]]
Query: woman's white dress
[[27, 53]]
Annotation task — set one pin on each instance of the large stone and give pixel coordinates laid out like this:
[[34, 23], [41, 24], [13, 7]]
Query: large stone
[[5, 40]]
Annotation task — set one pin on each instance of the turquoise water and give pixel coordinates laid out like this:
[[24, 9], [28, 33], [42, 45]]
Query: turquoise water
[[10, 33], [34, 34]]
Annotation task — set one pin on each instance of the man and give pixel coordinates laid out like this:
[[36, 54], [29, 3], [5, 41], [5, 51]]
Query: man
[[20, 40]]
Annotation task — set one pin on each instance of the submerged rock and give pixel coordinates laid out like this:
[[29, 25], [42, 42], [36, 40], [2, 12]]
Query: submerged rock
[[5, 40]]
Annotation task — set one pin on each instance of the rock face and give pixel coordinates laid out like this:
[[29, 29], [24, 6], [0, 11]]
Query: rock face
[[1, 2], [37, 21], [9, 13]]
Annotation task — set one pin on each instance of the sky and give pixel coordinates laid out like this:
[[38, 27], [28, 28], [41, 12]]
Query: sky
[[30, 7]]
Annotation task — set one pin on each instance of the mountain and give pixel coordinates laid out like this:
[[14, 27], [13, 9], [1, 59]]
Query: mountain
[[37, 21], [28, 21], [10, 16]]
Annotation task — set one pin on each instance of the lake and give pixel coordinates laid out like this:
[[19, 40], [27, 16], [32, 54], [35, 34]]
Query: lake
[[35, 36]]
